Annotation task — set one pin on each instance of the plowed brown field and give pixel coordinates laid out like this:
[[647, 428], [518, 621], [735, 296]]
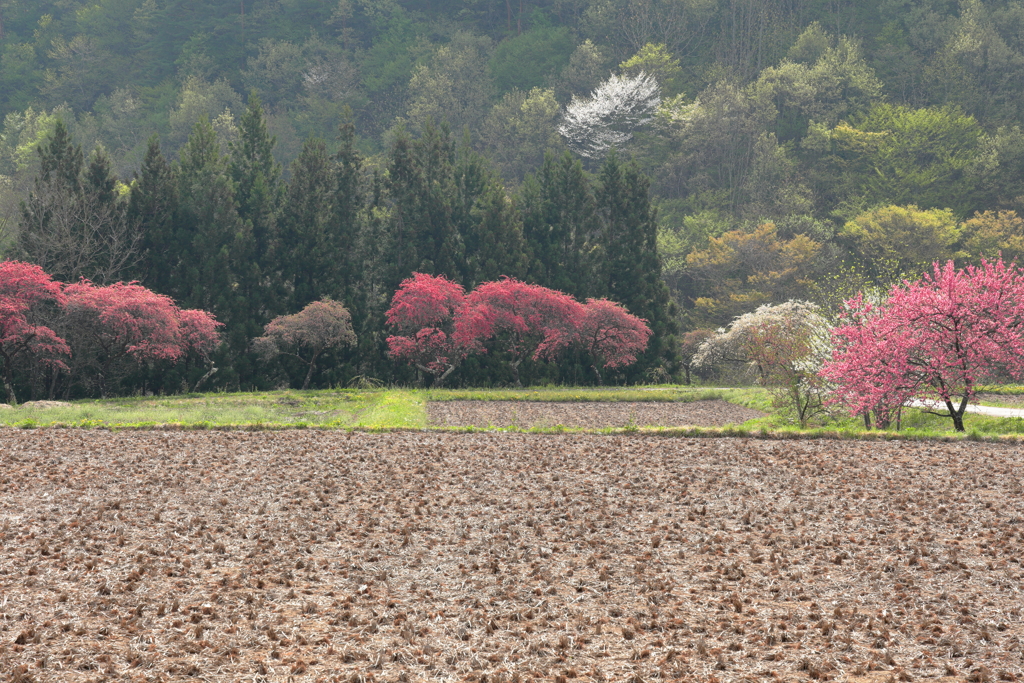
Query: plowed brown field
[[332, 556], [597, 415]]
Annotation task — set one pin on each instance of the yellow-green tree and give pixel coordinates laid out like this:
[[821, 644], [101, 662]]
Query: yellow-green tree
[[744, 269], [906, 236], [990, 233]]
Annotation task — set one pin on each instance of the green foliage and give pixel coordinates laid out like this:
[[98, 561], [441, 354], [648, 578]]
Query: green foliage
[[810, 116], [931, 157], [908, 237], [527, 60], [655, 59]]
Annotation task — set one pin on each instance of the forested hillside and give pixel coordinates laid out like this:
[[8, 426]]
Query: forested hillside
[[248, 157]]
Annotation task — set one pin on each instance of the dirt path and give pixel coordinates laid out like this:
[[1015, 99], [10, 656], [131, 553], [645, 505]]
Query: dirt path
[[980, 410]]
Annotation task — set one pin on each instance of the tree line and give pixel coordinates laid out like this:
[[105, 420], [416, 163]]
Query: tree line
[[224, 231]]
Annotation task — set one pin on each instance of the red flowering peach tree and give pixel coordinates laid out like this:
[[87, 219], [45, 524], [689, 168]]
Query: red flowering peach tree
[[24, 290], [521, 320], [422, 319], [611, 335], [117, 323]]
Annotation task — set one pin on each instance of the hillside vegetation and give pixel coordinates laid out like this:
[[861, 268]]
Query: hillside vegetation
[[690, 159]]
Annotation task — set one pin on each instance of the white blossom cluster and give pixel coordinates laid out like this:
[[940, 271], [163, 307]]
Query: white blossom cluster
[[799, 318], [593, 125]]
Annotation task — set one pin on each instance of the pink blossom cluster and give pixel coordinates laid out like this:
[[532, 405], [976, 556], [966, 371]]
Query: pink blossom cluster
[[122, 319], [437, 324], [936, 338]]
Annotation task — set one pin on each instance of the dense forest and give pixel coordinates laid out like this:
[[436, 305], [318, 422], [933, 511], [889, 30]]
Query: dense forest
[[691, 159]]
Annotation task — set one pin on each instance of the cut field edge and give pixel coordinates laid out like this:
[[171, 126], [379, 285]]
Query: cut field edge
[[759, 433]]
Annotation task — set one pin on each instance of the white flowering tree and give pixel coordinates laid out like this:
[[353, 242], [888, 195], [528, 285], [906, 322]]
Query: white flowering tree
[[785, 345], [593, 125]]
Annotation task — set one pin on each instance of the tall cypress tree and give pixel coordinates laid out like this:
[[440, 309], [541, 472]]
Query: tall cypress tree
[[310, 254], [152, 207], [256, 177], [561, 227], [423, 199], [209, 236], [495, 246], [632, 270], [60, 159], [349, 205]]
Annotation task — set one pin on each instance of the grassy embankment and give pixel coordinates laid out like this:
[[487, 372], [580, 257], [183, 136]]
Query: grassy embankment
[[382, 409]]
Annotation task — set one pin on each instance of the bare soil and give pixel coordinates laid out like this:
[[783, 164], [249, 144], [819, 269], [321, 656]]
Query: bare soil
[[595, 415], [332, 556]]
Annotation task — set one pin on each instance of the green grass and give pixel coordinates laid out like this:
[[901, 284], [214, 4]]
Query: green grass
[[386, 409], [257, 410]]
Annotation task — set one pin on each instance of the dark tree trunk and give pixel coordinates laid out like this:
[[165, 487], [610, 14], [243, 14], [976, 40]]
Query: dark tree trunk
[[957, 414], [9, 387]]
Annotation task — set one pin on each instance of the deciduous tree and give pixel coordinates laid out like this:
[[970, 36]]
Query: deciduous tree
[[520, 320], [422, 315], [200, 336], [785, 344], [611, 335], [118, 325], [689, 344], [593, 125], [936, 338], [305, 335], [24, 288]]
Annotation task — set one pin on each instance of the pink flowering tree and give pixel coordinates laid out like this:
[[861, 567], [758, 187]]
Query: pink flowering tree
[[422, 319], [520, 320], [118, 325], [305, 335], [865, 371], [199, 332], [24, 290], [611, 335], [934, 339]]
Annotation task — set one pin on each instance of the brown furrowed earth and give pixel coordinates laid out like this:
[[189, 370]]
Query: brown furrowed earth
[[596, 415], [417, 556]]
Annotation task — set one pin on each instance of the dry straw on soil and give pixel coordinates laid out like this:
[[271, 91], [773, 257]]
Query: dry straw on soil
[[319, 556]]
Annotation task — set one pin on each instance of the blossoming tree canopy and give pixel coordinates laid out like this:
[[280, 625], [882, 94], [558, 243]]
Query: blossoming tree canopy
[[523, 320], [786, 344], [125, 319], [24, 288], [936, 338], [199, 331], [611, 334], [422, 315], [863, 370], [305, 335]]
